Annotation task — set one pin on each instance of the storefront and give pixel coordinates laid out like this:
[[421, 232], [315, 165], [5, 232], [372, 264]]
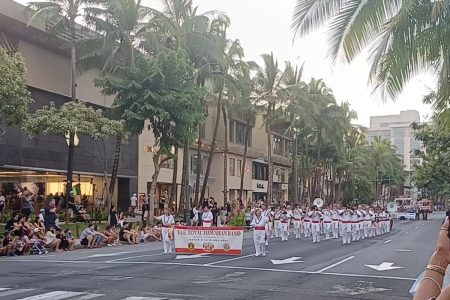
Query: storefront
[[259, 188]]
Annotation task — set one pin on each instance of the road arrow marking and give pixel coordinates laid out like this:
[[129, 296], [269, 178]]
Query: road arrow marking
[[385, 266], [191, 256], [291, 260], [388, 241], [108, 254]]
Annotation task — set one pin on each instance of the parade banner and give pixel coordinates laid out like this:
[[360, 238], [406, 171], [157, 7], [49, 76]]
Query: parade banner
[[212, 240]]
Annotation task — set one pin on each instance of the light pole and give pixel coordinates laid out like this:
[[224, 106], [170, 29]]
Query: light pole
[[72, 141], [187, 193]]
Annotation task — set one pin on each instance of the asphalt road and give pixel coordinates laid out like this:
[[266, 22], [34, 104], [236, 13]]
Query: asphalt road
[[328, 270]]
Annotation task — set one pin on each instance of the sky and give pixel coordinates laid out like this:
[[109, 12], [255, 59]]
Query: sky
[[263, 26]]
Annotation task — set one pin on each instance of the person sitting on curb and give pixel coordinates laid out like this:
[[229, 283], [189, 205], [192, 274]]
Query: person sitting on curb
[[87, 236], [52, 241]]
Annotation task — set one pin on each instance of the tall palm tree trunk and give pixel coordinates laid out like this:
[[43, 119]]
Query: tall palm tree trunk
[[244, 161], [153, 184], [184, 175], [174, 189], [199, 166], [213, 144], [269, 155], [225, 157], [115, 169]]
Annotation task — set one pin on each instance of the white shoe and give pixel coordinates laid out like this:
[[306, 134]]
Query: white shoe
[[257, 254], [264, 254]]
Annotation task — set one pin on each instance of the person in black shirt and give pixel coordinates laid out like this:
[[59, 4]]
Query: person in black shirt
[[113, 216], [50, 215], [10, 223]]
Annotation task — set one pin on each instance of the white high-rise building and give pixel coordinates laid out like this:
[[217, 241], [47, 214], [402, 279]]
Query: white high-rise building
[[397, 129]]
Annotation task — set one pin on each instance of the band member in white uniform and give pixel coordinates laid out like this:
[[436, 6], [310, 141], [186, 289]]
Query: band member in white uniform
[[346, 224], [315, 216], [207, 217], [307, 224], [277, 223], [266, 214], [335, 223], [259, 234], [355, 226], [284, 226], [167, 220], [327, 222], [367, 223], [297, 215]]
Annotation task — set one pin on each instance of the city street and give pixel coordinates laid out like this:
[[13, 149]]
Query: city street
[[379, 268]]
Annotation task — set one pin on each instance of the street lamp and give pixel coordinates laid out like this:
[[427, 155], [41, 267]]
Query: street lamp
[[72, 141]]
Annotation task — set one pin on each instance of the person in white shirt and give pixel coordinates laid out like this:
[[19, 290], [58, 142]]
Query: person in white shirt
[[195, 216], [307, 224], [133, 204], [346, 217], [276, 223], [259, 233], [41, 214], [315, 216], [327, 223], [335, 223], [266, 214], [207, 217], [167, 221], [297, 215], [2, 204], [284, 226]]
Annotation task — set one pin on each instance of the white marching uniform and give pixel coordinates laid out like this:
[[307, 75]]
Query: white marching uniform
[[307, 225], [284, 226], [335, 224], [259, 234], [315, 225], [297, 215], [327, 223], [166, 221], [355, 227], [346, 224], [367, 224], [207, 218], [276, 222], [266, 214]]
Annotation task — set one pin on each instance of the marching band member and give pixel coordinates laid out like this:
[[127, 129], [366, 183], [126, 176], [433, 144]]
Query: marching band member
[[276, 222], [379, 222], [327, 222], [315, 216], [167, 220], [346, 224], [259, 234], [297, 215], [335, 223], [307, 224], [284, 226], [207, 217], [355, 225], [367, 223], [266, 214]]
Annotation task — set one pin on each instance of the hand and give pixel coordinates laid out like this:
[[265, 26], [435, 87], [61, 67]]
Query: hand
[[441, 255]]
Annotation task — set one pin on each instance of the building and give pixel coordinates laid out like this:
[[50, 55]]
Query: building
[[255, 182], [397, 129], [41, 163]]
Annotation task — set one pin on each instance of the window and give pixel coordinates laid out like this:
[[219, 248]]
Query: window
[[278, 146], [259, 171], [232, 167], [168, 164], [239, 167], [237, 131]]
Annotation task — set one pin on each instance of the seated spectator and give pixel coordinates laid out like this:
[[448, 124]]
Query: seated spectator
[[69, 238], [111, 236], [127, 234], [41, 214], [87, 236], [52, 241], [99, 238], [27, 224], [23, 244], [10, 223], [39, 243], [18, 226], [39, 226], [122, 220], [64, 245], [50, 215], [8, 244]]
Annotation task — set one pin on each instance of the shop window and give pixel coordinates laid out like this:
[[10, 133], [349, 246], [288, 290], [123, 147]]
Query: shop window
[[239, 167], [237, 131], [259, 171]]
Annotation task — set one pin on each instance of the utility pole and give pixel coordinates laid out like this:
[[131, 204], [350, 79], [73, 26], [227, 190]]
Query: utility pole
[[187, 199], [296, 168]]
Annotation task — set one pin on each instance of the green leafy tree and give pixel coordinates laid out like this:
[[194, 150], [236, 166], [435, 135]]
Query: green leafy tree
[[14, 95], [159, 90]]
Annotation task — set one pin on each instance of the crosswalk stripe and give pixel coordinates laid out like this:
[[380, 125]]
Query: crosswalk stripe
[[4, 289], [56, 295], [143, 298], [7, 292], [87, 296]]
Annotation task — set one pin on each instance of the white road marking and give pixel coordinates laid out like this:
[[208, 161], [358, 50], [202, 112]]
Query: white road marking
[[8, 291], [212, 266], [137, 256], [416, 228], [87, 297], [56, 295], [230, 259], [406, 232], [336, 264], [108, 254], [191, 256], [384, 266], [142, 298], [402, 250], [388, 241], [339, 289], [291, 260], [231, 277]]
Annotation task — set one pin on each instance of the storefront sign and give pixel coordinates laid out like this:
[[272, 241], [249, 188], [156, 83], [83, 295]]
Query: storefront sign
[[212, 240], [259, 186]]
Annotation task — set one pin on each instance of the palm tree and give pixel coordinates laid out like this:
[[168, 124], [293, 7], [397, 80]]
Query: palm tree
[[406, 37], [61, 16], [269, 79], [122, 30]]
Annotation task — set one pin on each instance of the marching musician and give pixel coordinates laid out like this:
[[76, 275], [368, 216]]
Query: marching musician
[[207, 217], [315, 217], [307, 224], [297, 220], [259, 234], [327, 222], [346, 224], [167, 221], [284, 226]]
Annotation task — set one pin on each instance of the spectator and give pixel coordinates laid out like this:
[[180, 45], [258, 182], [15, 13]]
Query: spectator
[[113, 220], [52, 241], [111, 236], [50, 215], [127, 234], [122, 220], [2, 205], [133, 203], [39, 226], [144, 207], [248, 217], [41, 214], [10, 223], [70, 240], [9, 246], [87, 236], [99, 238], [194, 215]]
